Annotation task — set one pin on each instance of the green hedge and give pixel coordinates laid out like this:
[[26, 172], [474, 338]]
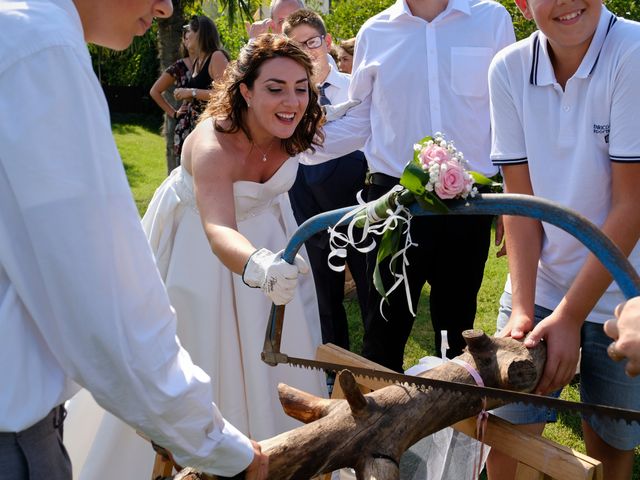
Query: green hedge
[[138, 65]]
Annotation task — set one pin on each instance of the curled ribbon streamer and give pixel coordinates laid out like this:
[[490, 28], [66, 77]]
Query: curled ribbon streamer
[[401, 278], [339, 241], [373, 225]]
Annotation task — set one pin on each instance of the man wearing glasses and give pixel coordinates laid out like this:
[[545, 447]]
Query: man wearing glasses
[[328, 186]]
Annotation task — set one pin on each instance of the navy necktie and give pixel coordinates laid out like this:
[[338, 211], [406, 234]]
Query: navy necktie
[[322, 97]]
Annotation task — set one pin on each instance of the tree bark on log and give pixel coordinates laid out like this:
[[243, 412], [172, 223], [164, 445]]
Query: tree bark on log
[[371, 432]]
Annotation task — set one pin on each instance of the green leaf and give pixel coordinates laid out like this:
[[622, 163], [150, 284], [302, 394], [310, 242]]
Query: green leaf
[[414, 178], [425, 139], [430, 202], [481, 179], [389, 244]]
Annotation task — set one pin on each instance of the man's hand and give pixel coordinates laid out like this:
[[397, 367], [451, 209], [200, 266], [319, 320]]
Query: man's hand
[[258, 28], [625, 331], [333, 112], [258, 469]]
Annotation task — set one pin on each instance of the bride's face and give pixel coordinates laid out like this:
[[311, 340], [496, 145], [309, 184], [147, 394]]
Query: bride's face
[[279, 97]]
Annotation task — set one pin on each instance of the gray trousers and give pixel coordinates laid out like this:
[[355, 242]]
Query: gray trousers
[[36, 453]]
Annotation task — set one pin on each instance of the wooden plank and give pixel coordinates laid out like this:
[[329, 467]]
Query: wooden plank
[[546, 456], [161, 467], [525, 472], [334, 354]]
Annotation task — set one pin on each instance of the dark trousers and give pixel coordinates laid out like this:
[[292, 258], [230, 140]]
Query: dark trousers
[[318, 189], [330, 291], [450, 256], [37, 452]]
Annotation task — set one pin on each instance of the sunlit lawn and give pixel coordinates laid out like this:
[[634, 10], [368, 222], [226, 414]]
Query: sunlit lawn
[[143, 153]]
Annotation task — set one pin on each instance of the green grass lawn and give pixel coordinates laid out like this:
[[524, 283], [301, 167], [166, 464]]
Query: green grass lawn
[[142, 149], [143, 154]]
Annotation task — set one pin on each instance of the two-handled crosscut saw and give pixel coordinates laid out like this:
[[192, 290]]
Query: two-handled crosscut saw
[[489, 204]]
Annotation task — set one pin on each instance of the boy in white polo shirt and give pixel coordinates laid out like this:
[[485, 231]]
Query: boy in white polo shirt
[[564, 107]]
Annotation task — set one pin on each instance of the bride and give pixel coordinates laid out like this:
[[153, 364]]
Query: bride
[[214, 226]]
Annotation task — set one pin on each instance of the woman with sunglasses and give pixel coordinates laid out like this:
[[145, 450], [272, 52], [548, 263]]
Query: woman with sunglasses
[[208, 68], [178, 75]]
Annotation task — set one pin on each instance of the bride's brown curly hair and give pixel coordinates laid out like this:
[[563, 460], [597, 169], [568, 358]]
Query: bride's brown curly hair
[[227, 103]]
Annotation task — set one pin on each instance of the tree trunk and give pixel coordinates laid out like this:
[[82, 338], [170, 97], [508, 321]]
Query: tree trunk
[[169, 39], [371, 432]]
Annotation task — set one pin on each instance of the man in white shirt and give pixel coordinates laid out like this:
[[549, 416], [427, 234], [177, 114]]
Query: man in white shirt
[[279, 10], [328, 186], [81, 301], [420, 67]]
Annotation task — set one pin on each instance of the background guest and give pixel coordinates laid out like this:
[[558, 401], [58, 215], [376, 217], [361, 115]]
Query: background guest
[[208, 67], [178, 75], [345, 54]]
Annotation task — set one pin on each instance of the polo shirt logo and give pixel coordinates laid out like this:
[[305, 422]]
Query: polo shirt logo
[[602, 129]]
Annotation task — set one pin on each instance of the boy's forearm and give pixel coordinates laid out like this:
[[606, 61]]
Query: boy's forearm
[[524, 243]]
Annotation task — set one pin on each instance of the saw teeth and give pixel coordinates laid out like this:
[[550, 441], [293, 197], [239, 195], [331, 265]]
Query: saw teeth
[[586, 410]]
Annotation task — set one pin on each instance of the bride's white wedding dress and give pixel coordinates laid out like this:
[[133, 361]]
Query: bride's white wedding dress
[[221, 322]]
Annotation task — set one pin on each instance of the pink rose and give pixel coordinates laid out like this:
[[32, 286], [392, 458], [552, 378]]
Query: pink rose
[[434, 153], [452, 180]]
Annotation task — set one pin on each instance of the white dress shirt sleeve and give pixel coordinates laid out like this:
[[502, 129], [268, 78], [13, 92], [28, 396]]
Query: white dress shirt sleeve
[[504, 34], [350, 132], [76, 256]]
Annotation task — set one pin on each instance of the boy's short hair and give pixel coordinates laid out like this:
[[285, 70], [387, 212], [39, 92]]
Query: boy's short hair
[[304, 17]]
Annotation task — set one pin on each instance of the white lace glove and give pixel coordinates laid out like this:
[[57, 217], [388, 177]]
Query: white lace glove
[[277, 279], [333, 112]]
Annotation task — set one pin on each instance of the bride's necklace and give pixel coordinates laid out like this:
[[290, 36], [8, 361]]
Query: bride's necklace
[[264, 153]]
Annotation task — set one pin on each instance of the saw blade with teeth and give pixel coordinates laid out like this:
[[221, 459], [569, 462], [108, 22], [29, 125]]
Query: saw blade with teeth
[[506, 396]]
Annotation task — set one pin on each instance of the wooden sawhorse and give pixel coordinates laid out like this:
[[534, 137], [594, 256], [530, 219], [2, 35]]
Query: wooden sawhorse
[[538, 458]]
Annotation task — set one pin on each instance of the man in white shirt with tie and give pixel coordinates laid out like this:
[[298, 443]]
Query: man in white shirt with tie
[[331, 185], [420, 67], [81, 300]]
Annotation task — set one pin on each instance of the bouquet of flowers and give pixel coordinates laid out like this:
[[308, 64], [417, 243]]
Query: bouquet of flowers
[[437, 174]]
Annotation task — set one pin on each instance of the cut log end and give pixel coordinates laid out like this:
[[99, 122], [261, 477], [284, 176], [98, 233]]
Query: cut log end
[[302, 405], [477, 340], [352, 393]]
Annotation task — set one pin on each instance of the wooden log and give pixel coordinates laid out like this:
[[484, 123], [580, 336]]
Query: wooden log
[[370, 432]]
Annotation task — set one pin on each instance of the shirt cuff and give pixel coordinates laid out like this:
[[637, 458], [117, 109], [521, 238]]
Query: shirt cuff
[[232, 454]]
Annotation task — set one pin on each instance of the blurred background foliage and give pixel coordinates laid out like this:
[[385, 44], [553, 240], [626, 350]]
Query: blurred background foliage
[[139, 65]]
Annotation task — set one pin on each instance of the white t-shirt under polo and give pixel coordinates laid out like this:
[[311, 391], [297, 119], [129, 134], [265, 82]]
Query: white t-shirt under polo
[[569, 138]]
